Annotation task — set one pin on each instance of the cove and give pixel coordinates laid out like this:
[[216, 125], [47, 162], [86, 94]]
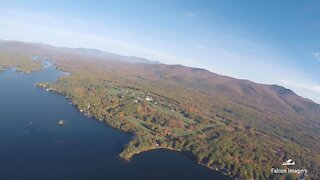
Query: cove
[[33, 146]]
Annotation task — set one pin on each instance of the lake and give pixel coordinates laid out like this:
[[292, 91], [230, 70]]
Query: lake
[[34, 146]]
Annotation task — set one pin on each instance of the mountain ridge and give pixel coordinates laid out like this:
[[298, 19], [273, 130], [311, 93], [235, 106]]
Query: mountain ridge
[[134, 60]]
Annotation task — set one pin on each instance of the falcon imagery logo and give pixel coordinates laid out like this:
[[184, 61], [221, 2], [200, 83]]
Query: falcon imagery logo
[[290, 163]]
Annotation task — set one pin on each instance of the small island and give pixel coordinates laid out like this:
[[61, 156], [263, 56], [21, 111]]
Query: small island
[[61, 122]]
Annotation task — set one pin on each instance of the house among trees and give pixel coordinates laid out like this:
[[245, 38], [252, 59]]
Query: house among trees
[[148, 98]]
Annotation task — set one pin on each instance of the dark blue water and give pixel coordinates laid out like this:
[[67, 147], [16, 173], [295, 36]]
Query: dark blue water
[[34, 147]]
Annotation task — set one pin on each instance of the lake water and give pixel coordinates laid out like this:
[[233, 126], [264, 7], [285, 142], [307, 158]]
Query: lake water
[[33, 146]]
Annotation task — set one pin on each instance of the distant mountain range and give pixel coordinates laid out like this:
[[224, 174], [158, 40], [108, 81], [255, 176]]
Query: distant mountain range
[[81, 52]]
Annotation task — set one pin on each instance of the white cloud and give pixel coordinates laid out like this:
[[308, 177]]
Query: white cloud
[[310, 91], [317, 55], [311, 88], [189, 14], [199, 46]]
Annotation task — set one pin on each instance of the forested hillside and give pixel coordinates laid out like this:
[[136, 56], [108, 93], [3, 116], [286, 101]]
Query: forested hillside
[[238, 127]]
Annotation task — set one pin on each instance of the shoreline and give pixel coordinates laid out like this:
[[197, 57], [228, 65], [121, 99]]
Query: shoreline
[[189, 155], [131, 155]]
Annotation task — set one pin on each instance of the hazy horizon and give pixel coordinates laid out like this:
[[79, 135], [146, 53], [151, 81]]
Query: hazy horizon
[[239, 39]]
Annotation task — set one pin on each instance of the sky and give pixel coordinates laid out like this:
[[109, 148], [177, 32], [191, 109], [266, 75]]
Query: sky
[[269, 42]]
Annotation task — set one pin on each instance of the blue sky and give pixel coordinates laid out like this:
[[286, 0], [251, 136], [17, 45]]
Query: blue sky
[[273, 42]]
